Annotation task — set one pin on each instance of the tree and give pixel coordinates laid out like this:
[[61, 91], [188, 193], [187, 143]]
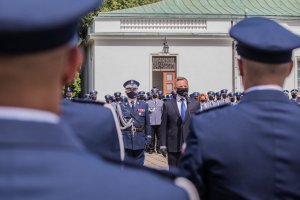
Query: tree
[[108, 5]]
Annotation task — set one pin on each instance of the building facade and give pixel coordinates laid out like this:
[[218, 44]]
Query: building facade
[[128, 44]]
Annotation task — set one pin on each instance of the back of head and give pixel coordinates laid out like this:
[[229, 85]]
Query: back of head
[[264, 60], [39, 50]]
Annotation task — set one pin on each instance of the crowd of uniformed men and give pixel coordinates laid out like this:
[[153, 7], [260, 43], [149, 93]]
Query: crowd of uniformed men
[[132, 125]]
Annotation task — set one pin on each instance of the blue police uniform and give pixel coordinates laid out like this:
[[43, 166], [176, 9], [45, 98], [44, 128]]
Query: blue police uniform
[[142, 96], [97, 129], [68, 93], [238, 96], [40, 156], [231, 97], [250, 150], [136, 127], [55, 165], [211, 99]]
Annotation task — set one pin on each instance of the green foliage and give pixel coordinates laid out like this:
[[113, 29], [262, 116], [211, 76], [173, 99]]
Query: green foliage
[[108, 5], [76, 87]]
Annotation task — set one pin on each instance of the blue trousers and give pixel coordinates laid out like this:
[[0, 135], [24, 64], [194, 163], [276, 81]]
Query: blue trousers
[[137, 156]]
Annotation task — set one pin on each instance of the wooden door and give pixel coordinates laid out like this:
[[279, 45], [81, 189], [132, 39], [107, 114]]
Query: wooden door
[[168, 81]]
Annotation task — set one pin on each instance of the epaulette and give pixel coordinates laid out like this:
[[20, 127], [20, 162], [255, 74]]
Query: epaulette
[[171, 175], [213, 108], [88, 101]]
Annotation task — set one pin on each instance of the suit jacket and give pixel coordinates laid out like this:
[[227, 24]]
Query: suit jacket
[[246, 151], [172, 129], [94, 125], [45, 161], [141, 119], [155, 111]]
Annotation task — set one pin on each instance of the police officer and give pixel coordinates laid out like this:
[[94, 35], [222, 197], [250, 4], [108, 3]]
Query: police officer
[[195, 95], [258, 158], [218, 97], [86, 97], [107, 98], [203, 102], [68, 93], [238, 96], [211, 99], [135, 123], [93, 95], [224, 96], [160, 95], [155, 109], [231, 97], [148, 96], [123, 99], [294, 93], [117, 96], [142, 95], [287, 93]]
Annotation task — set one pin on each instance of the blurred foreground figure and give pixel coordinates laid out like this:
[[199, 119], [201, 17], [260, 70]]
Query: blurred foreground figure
[[40, 157], [94, 124], [250, 150]]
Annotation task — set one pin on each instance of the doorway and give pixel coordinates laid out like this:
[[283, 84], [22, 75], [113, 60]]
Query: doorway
[[164, 73]]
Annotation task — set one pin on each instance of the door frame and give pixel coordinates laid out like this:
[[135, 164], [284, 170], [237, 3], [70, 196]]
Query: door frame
[[163, 55]]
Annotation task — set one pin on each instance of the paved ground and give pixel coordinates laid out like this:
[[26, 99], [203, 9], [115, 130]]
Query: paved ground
[[156, 161]]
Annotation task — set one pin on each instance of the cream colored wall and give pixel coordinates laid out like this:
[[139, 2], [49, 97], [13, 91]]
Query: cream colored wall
[[207, 63]]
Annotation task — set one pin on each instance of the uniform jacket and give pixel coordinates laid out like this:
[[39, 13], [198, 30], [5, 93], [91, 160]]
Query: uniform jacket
[[155, 111], [247, 151], [172, 129], [94, 125], [140, 114], [211, 104], [45, 161]]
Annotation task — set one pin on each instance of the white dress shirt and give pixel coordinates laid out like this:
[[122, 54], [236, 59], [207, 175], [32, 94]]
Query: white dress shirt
[[264, 87], [27, 114], [178, 100]]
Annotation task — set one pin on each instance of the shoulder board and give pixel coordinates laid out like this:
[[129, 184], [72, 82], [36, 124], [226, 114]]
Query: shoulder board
[[171, 175], [213, 108], [88, 101]]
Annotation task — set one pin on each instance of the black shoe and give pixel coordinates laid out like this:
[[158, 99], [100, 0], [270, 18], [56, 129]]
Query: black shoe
[[158, 151]]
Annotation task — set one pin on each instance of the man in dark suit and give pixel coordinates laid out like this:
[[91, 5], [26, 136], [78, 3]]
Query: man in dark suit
[[250, 150], [40, 157], [175, 121]]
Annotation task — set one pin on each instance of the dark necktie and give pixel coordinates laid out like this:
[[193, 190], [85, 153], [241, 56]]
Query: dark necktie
[[182, 109], [132, 105]]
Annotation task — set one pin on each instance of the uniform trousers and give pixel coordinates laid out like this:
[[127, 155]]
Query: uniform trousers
[[137, 156], [155, 137]]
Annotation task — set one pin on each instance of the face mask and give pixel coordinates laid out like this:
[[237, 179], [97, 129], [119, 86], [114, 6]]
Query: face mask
[[132, 95], [155, 96], [182, 91]]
